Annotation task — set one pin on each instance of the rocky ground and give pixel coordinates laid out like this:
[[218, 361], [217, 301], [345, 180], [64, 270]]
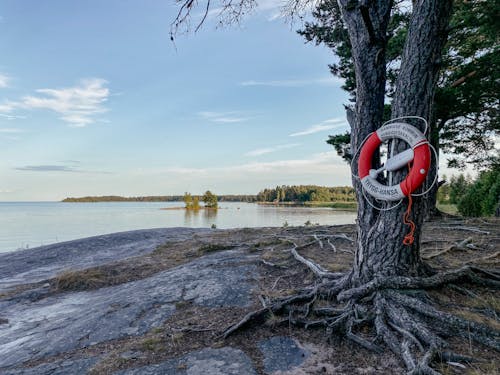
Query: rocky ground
[[156, 301]]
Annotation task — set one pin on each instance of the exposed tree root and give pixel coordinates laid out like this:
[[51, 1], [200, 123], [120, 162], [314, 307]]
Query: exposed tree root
[[468, 229], [461, 246], [391, 312], [487, 259]]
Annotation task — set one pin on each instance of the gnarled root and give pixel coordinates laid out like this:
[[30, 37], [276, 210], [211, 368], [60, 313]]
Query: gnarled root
[[405, 322]]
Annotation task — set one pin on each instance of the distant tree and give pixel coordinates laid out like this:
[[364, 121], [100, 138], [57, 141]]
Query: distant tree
[[210, 199], [458, 187], [196, 203], [482, 197], [307, 193], [188, 200], [443, 194]]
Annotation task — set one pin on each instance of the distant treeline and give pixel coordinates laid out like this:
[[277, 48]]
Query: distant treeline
[[296, 193], [158, 198], [307, 193]]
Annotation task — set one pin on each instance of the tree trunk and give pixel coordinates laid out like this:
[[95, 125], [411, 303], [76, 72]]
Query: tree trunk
[[380, 249]]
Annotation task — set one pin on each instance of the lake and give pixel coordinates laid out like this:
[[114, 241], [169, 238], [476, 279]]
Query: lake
[[30, 224]]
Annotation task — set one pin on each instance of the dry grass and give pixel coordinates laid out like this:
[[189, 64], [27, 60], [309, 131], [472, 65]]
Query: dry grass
[[213, 247], [79, 280]]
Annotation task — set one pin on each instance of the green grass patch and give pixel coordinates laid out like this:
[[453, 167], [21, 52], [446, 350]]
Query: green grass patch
[[448, 208]]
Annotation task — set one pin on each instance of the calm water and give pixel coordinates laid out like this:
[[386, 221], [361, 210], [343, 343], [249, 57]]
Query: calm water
[[29, 224]]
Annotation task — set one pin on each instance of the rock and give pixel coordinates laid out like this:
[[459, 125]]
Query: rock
[[68, 321], [61, 367], [208, 361], [281, 354], [40, 263]]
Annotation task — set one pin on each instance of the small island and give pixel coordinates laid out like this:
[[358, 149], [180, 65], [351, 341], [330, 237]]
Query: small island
[[340, 197]]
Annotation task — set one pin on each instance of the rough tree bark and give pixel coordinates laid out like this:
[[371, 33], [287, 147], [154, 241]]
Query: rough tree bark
[[373, 293], [380, 234]]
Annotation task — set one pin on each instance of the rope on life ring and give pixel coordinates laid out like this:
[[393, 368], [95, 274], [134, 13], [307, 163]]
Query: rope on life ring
[[418, 154]]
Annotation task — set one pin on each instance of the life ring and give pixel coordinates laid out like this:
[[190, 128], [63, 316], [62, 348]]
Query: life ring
[[419, 153]]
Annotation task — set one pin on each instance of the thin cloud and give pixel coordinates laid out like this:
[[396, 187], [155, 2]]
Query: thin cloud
[[57, 168], [4, 81], [223, 117], [269, 150], [8, 106], [47, 168], [327, 81], [6, 191], [77, 105], [316, 163], [11, 117], [11, 130], [330, 124]]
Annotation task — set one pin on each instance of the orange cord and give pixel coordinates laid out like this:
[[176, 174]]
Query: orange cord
[[409, 238]]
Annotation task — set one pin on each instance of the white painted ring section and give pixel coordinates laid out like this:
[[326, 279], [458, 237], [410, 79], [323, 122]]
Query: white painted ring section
[[379, 191], [401, 130]]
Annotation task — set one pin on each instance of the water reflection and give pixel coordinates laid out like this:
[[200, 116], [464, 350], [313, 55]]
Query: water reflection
[[210, 216], [191, 218], [42, 223]]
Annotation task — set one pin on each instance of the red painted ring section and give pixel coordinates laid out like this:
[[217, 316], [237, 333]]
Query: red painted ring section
[[366, 155], [421, 160]]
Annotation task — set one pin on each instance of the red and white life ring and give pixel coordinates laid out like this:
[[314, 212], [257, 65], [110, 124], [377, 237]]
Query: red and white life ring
[[419, 153]]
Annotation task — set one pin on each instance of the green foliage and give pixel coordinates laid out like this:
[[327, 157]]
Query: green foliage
[[454, 189], [196, 203], [458, 187], [192, 203], [482, 198], [466, 101], [307, 193], [443, 193], [342, 144], [188, 200], [209, 199]]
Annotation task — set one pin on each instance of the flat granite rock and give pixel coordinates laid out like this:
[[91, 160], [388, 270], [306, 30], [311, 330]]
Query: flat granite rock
[[208, 361], [40, 263], [61, 367], [281, 353], [72, 320]]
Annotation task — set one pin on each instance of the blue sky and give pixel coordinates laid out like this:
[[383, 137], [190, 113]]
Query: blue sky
[[96, 100]]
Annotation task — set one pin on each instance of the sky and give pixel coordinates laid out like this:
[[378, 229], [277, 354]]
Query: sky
[[96, 100]]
